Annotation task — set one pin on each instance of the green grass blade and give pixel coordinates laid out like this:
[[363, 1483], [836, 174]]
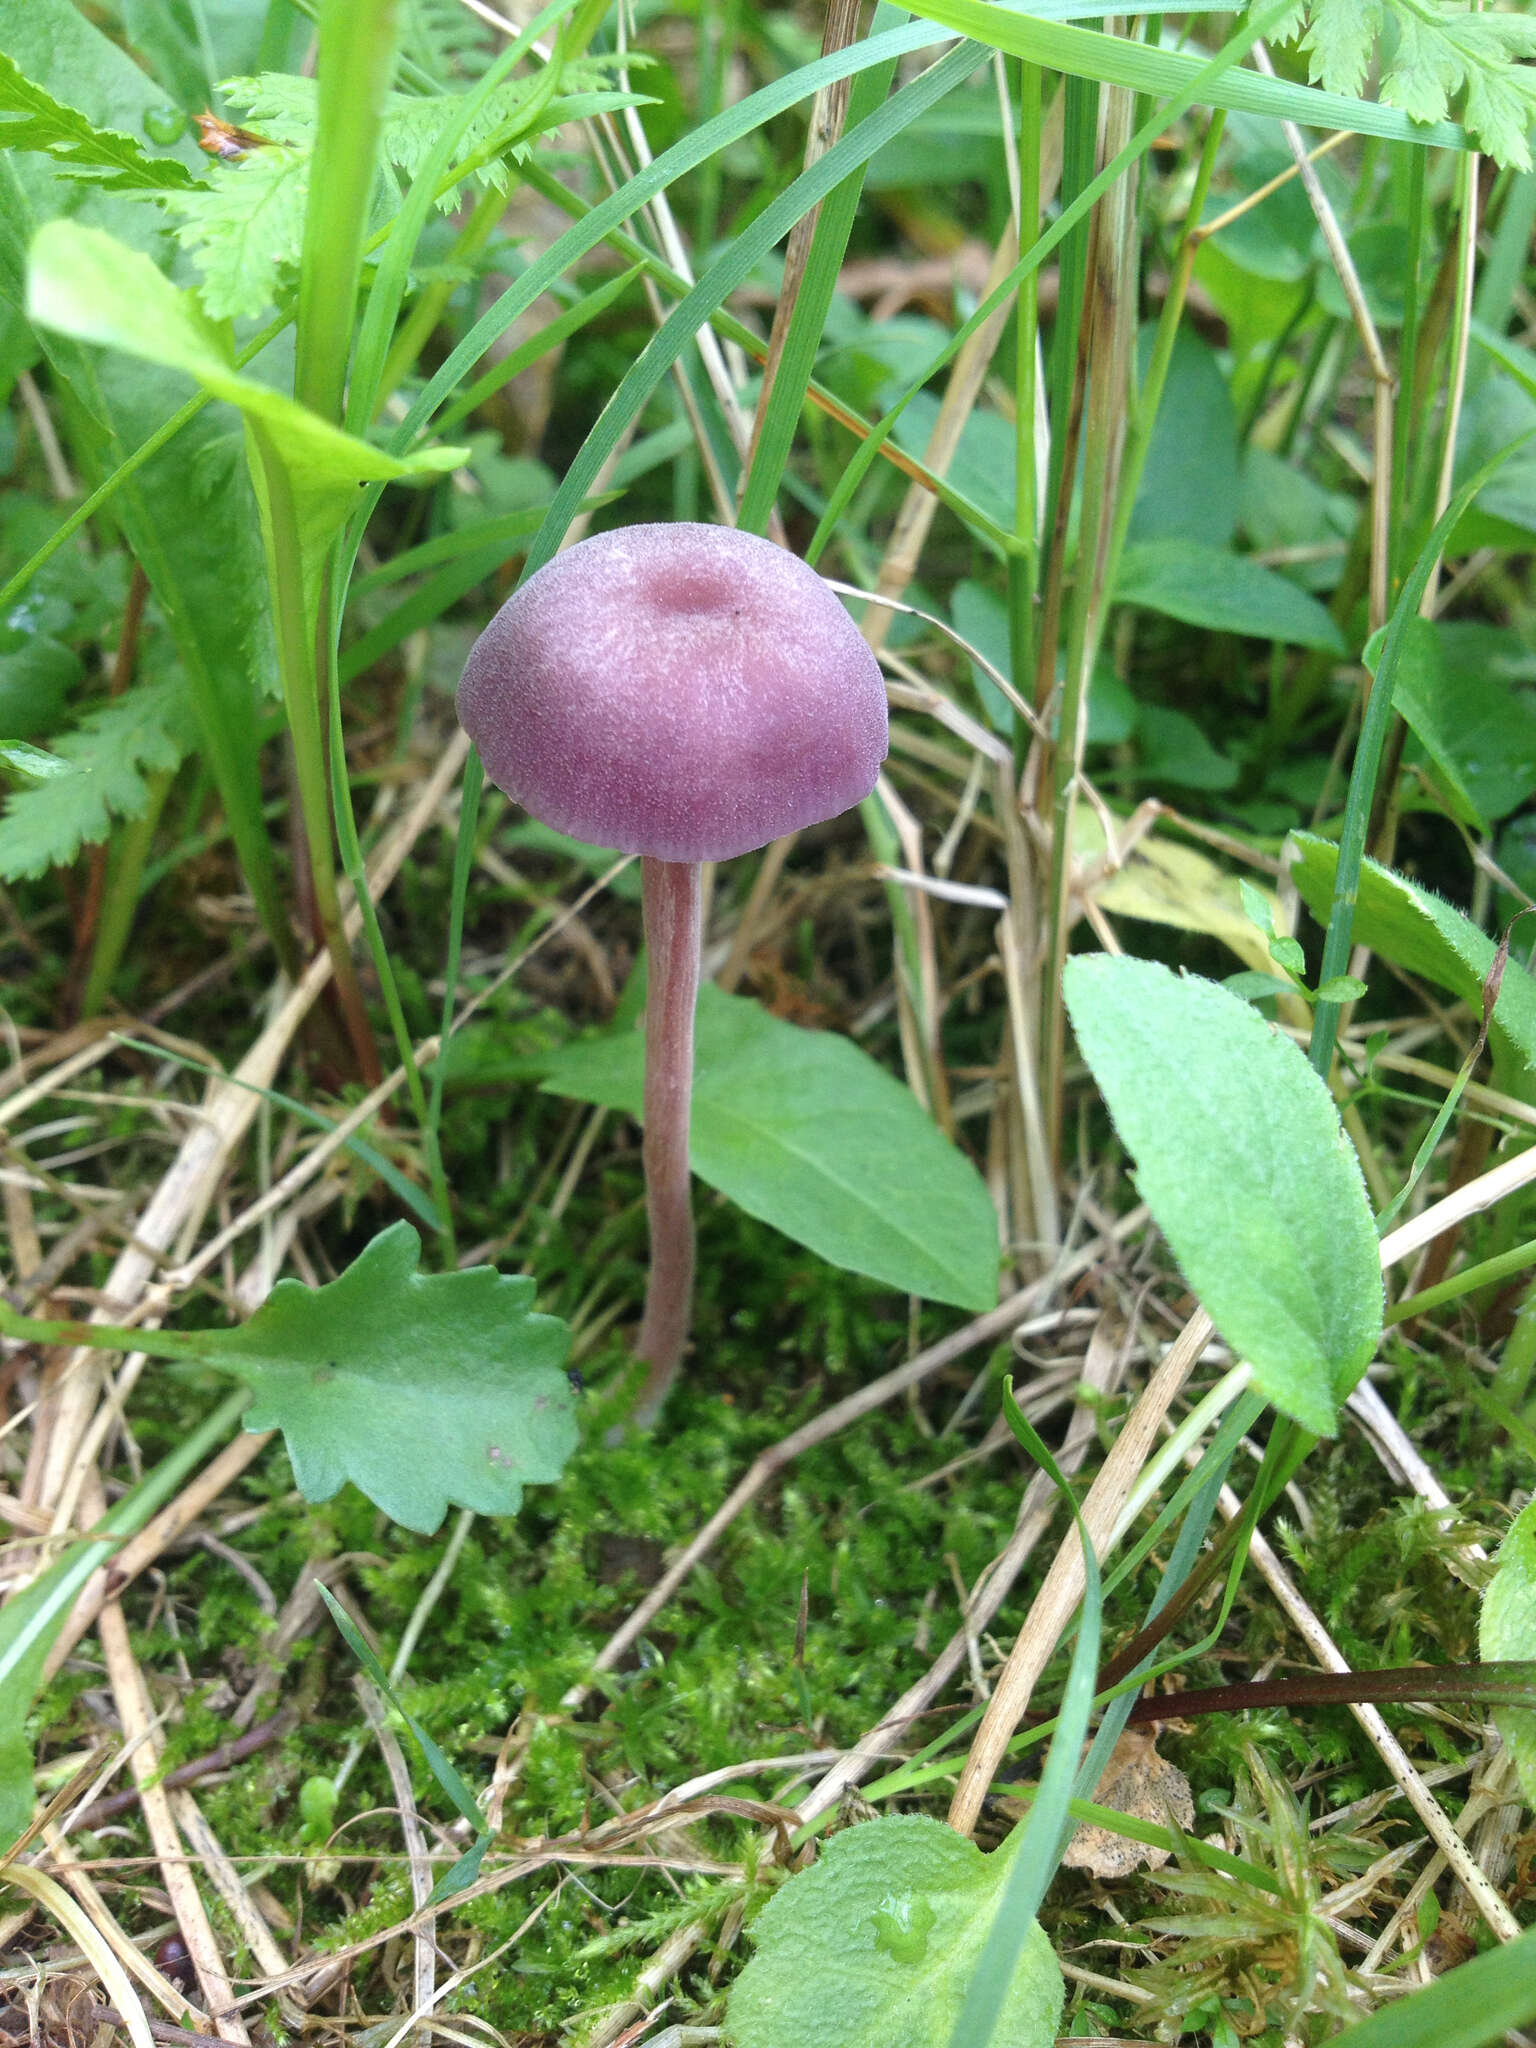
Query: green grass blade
[[1113, 60], [724, 276], [360, 1149], [357, 56], [1468, 2007], [807, 324], [1030, 261]]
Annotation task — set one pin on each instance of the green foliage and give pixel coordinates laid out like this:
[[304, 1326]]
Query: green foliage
[[31, 118], [424, 1389], [467, 1868], [1509, 1630], [1417, 930], [1224, 592], [1274, 1952], [1479, 733], [803, 1129], [32, 1618], [1242, 1161], [877, 1941], [84, 283], [1440, 52], [1470, 2007], [110, 757], [245, 223]]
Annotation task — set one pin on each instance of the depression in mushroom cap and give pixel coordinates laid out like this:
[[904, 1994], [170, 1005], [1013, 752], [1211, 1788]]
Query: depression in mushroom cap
[[686, 692]]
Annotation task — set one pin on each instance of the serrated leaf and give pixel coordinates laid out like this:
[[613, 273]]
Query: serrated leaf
[[1242, 1160], [31, 118], [427, 1390], [99, 774], [244, 223], [1507, 1628], [1224, 592], [1414, 929], [805, 1131], [244, 229], [1438, 52], [876, 1942], [1340, 41]]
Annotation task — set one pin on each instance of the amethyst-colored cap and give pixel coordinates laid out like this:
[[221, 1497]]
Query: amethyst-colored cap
[[686, 692]]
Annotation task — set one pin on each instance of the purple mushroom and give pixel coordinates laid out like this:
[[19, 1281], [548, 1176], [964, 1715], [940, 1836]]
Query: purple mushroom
[[686, 693]]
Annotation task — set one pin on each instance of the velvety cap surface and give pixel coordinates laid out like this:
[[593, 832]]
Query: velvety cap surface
[[687, 692]]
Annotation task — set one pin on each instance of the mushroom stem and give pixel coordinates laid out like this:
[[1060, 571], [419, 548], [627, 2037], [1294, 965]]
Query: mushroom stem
[[673, 897]]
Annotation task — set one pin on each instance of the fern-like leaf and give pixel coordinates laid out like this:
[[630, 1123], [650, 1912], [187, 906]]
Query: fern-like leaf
[[245, 229], [31, 118], [1444, 52], [245, 224], [108, 755], [444, 38]]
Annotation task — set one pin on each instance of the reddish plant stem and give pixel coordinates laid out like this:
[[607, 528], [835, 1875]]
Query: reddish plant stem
[[672, 897]]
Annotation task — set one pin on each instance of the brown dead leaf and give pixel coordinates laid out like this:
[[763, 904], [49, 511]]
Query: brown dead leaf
[[1139, 1782]]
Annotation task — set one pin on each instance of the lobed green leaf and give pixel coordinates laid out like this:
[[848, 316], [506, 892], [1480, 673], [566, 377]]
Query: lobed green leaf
[[425, 1389]]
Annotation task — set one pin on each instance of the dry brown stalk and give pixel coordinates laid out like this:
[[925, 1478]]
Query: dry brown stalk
[[131, 1697], [1063, 1586]]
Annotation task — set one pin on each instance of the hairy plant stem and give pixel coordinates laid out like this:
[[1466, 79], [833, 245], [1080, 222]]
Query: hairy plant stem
[[673, 900]]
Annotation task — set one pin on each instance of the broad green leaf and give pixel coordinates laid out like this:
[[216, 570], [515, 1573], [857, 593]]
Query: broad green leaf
[[1242, 1160], [875, 1945], [1173, 748], [1282, 507], [111, 754], [1189, 484], [1508, 1629], [426, 1390], [1224, 592], [31, 118], [805, 1131], [1416, 930], [1478, 733], [86, 284], [36, 673]]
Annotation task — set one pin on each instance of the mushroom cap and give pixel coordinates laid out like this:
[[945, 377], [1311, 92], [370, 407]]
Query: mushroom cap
[[686, 692]]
